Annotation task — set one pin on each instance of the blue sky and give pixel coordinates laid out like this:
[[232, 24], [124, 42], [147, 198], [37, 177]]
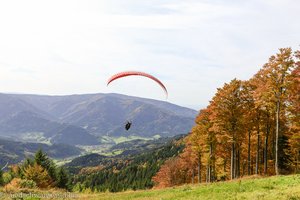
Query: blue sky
[[73, 47]]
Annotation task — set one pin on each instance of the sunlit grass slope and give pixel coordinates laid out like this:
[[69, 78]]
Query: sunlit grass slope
[[277, 187]]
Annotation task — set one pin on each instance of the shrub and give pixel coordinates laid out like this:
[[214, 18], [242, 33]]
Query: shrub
[[39, 175], [30, 184], [7, 177], [13, 186]]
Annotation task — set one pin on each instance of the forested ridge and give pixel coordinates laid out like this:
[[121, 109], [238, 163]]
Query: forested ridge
[[122, 173], [249, 127]]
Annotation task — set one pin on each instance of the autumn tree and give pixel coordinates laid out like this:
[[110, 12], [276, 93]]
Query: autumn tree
[[227, 109], [276, 75], [196, 144], [168, 174], [39, 175], [203, 142], [294, 110], [43, 160], [249, 117], [263, 112]]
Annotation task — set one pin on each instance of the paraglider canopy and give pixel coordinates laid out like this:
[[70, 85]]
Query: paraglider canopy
[[136, 73]]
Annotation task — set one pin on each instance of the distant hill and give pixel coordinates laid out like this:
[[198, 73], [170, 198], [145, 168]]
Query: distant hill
[[82, 119], [14, 152]]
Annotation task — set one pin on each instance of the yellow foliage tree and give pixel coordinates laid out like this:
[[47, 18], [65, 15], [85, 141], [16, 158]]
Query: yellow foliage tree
[[39, 175]]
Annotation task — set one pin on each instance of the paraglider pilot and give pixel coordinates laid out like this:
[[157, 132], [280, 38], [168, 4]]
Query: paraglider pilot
[[128, 125]]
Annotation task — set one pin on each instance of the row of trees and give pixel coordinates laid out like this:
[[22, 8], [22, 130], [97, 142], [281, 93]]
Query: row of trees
[[38, 172], [249, 127]]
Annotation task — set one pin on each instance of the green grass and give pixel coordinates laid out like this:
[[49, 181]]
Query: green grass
[[113, 153], [271, 188], [118, 140], [277, 187]]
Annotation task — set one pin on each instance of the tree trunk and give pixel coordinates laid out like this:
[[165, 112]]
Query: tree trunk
[[266, 155], [207, 173], [276, 139], [252, 166], [213, 170], [257, 151], [199, 169], [210, 163], [237, 168], [249, 152], [273, 146], [297, 162], [193, 176], [263, 155], [210, 173], [232, 161], [244, 168]]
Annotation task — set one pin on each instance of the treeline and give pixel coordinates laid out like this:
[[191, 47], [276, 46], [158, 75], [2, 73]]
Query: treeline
[[129, 173], [249, 127], [38, 172]]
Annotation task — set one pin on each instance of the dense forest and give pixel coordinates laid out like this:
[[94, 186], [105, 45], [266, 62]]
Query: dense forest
[[129, 172], [250, 127]]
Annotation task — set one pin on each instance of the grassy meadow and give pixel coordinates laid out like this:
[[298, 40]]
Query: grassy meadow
[[276, 187], [280, 187]]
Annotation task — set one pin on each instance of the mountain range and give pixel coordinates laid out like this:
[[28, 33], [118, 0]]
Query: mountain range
[[84, 119]]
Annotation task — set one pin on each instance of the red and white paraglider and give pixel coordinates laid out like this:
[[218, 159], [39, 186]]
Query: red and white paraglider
[[136, 73]]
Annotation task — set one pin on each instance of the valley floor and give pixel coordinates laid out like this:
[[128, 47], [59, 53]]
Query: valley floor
[[276, 187]]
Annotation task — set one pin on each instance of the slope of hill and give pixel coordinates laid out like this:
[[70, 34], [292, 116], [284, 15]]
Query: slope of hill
[[276, 187]]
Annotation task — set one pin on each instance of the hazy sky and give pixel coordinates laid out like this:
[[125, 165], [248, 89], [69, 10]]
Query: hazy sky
[[193, 46]]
